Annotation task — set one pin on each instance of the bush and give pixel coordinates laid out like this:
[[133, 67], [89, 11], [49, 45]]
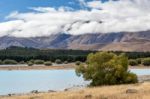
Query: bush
[[22, 62], [130, 78], [58, 61], [78, 62], [8, 61], [38, 62], [106, 68], [146, 62], [139, 60], [30, 64], [48, 63], [133, 62], [31, 61], [1, 62], [65, 62]]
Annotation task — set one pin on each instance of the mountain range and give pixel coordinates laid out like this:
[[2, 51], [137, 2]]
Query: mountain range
[[124, 41]]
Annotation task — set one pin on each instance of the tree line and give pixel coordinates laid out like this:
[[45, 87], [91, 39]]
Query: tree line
[[26, 54]]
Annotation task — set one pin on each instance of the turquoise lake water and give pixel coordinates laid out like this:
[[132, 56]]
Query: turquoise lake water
[[43, 80], [141, 71]]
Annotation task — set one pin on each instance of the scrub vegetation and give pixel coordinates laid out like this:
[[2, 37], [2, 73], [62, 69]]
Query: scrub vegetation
[[106, 68]]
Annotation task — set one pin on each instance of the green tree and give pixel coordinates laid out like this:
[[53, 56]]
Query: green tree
[[104, 68]]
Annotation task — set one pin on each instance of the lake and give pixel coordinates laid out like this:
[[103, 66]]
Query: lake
[[23, 81], [141, 71]]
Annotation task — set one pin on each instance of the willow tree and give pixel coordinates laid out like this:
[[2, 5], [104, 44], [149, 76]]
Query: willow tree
[[105, 68]]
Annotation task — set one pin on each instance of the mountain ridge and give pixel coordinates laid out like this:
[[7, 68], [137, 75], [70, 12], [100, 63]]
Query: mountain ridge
[[125, 41]]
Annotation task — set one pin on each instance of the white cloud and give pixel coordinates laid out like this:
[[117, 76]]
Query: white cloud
[[117, 16], [82, 3], [43, 9]]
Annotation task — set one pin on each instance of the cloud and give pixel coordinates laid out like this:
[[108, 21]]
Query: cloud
[[103, 17], [83, 3], [43, 9]]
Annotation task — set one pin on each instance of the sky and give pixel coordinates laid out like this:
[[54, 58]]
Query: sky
[[35, 18], [7, 6]]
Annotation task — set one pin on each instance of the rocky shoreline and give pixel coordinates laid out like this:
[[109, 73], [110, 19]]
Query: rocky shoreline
[[38, 92]]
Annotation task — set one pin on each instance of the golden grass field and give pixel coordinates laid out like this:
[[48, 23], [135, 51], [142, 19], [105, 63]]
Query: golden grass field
[[104, 92]]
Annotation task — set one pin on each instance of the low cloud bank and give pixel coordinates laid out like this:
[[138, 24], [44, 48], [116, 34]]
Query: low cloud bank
[[102, 17]]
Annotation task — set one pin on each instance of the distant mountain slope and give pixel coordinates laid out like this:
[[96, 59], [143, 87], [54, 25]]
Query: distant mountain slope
[[139, 41]]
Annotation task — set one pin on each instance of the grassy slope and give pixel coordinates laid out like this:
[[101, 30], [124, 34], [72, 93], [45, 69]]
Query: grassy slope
[[105, 92]]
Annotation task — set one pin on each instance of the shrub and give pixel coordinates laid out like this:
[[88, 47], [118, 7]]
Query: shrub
[[139, 60], [31, 61], [8, 61], [58, 61], [48, 63], [133, 62], [38, 62], [65, 62], [78, 62], [30, 64], [130, 78], [1, 62], [22, 62], [105, 68], [146, 62]]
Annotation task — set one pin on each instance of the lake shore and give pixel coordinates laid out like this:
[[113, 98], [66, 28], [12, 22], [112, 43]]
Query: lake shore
[[119, 92], [139, 67], [55, 67], [39, 67], [132, 91]]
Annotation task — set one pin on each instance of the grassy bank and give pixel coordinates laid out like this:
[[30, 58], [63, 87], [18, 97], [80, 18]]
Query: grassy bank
[[139, 91]]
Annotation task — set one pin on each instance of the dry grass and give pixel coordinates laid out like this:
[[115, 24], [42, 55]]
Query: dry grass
[[105, 92]]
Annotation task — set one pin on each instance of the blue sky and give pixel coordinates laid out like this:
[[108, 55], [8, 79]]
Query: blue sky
[[8, 6]]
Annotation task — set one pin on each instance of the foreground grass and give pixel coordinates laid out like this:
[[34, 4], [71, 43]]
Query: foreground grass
[[105, 92]]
